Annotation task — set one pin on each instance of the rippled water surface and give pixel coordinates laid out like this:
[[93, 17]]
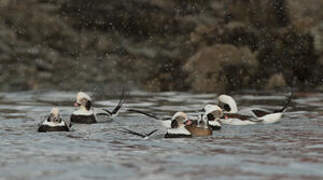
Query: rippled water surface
[[291, 149]]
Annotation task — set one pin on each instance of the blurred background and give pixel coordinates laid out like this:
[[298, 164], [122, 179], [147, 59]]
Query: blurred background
[[161, 45]]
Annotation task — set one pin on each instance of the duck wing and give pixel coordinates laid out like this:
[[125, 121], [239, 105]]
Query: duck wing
[[116, 109], [151, 115], [164, 121], [139, 134]]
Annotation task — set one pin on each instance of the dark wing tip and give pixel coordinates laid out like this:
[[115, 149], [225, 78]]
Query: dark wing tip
[[133, 132], [121, 102], [152, 132]]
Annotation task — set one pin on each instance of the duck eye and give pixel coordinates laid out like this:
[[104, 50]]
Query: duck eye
[[226, 107], [210, 117]]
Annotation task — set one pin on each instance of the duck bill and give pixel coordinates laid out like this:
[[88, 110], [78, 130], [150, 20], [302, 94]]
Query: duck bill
[[188, 122], [76, 104]]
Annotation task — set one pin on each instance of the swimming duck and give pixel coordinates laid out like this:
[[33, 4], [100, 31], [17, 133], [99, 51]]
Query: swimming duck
[[178, 129], [53, 123], [179, 125], [212, 114], [175, 125], [86, 115], [248, 116]]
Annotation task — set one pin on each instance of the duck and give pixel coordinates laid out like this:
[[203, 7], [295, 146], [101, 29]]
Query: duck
[[86, 114], [249, 116], [212, 114], [54, 122], [175, 126], [179, 125]]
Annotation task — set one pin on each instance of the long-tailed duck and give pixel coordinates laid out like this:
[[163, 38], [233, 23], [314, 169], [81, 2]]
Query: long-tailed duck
[[53, 123], [248, 116], [212, 115], [86, 115], [179, 125], [175, 125]]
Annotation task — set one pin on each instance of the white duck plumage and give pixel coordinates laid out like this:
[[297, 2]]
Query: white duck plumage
[[54, 122], [86, 114], [175, 126], [250, 115], [212, 115]]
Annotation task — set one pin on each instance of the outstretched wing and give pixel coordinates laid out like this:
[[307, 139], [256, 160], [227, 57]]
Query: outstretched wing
[[152, 132], [133, 132], [144, 113], [164, 121], [116, 109], [139, 134]]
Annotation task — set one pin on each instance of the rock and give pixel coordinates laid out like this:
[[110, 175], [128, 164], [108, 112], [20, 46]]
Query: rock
[[221, 68], [300, 9], [77, 44], [290, 52], [276, 81], [259, 13], [307, 15], [4, 3], [317, 33]]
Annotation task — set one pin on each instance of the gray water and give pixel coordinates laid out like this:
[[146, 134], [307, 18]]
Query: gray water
[[291, 149]]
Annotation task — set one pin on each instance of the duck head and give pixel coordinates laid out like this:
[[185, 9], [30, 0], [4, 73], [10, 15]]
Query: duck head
[[179, 119], [212, 115], [227, 103], [83, 101], [54, 116]]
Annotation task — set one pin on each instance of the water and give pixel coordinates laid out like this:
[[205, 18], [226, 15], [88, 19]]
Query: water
[[292, 149]]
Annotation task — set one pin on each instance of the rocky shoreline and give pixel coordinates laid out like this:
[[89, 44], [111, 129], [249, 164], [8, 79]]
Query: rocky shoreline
[[202, 46]]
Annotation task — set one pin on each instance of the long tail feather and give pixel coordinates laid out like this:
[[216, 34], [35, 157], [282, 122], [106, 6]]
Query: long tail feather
[[289, 100], [120, 103]]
